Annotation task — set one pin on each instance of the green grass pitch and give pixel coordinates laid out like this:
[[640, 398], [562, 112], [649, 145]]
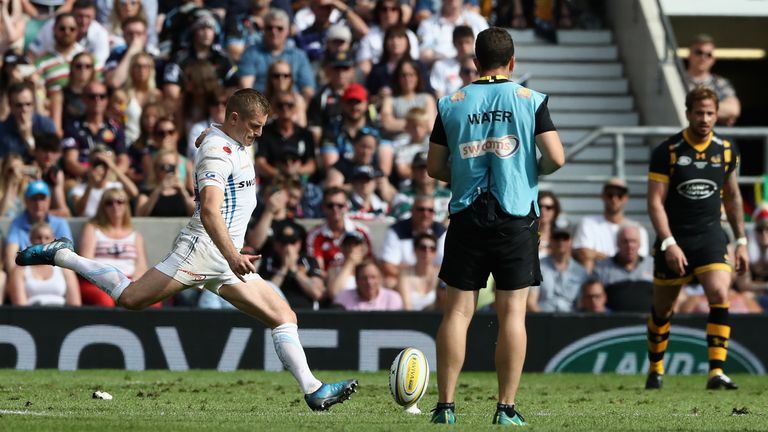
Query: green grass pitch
[[46, 400]]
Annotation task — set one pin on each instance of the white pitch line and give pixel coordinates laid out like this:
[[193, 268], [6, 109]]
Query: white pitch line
[[30, 413]]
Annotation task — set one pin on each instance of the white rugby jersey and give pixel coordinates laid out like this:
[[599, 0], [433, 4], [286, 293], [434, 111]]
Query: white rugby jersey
[[224, 163]]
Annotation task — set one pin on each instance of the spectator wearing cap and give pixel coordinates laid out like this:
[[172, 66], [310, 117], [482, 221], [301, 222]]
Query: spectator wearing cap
[[252, 68], [626, 276], [325, 106], [386, 14], [421, 184], [37, 201], [282, 139], [324, 240], [202, 46], [94, 128], [363, 154], [596, 236], [562, 277], [398, 250], [370, 293], [289, 268], [364, 203], [445, 77], [19, 129], [336, 143], [91, 35], [180, 17], [321, 38]]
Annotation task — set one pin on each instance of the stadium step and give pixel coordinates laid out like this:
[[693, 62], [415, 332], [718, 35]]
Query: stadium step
[[584, 77], [587, 119], [602, 86], [564, 37], [590, 103], [575, 53], [570, 69]]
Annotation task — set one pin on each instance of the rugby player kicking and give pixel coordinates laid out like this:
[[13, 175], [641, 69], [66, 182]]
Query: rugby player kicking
[[206, 253]]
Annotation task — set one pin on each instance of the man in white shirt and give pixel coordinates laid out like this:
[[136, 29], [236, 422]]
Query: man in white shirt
[[595, 237], [90, 34], [206, 254], [445, 78], [435, 33]]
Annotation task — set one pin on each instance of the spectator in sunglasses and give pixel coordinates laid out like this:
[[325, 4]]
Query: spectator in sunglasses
[[93, 128], [110, 237], [596, 236], [417, 283], [398, 249], [701, 59]]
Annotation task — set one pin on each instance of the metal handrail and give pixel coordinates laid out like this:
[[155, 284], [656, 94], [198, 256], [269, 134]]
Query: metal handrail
[[619, 145], [670, 48]]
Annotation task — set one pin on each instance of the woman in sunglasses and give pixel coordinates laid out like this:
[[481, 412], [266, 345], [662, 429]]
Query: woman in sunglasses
[[103, 174], [417, 283], [280, 79], [549, 207], [169, 198], [67, 105], [110, 237]]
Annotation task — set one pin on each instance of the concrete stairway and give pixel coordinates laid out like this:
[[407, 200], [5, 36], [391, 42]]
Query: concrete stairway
[[584, 77]]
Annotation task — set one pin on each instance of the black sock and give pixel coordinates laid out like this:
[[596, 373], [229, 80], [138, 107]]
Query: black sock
[[508, 409], [447, 405]]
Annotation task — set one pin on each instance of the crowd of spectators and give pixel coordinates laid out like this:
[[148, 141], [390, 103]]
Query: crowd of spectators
[[101, 102]]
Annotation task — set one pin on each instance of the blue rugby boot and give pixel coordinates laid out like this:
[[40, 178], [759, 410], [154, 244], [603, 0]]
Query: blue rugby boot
[[42, 253], [331, 394], [502, 418], [443, 415]]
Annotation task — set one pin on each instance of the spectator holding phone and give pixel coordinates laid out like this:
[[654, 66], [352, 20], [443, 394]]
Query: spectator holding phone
[[103, 174], [13, 182], [169, 198]]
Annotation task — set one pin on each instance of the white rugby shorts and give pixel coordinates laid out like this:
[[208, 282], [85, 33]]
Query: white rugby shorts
[[196, 262]]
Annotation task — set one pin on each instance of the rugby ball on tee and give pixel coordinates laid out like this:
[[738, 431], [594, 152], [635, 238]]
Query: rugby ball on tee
[[409, 377]]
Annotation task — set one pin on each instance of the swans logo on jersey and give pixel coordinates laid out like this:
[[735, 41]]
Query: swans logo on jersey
[[503, 147], [684, 161], [246, 183], [697, 189]]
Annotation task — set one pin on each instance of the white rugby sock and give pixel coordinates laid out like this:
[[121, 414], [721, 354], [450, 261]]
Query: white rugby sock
[[108, 278], [291, 353]]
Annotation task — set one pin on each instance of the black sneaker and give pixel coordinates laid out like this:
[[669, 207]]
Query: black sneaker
[[654, 381], [719, 381]]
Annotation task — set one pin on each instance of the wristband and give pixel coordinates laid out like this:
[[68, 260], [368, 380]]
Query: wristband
[[741, 241], [667, 242]]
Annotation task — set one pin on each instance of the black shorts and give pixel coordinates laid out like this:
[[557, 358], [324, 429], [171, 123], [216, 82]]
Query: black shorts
[[705, 252], [506, 247]]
